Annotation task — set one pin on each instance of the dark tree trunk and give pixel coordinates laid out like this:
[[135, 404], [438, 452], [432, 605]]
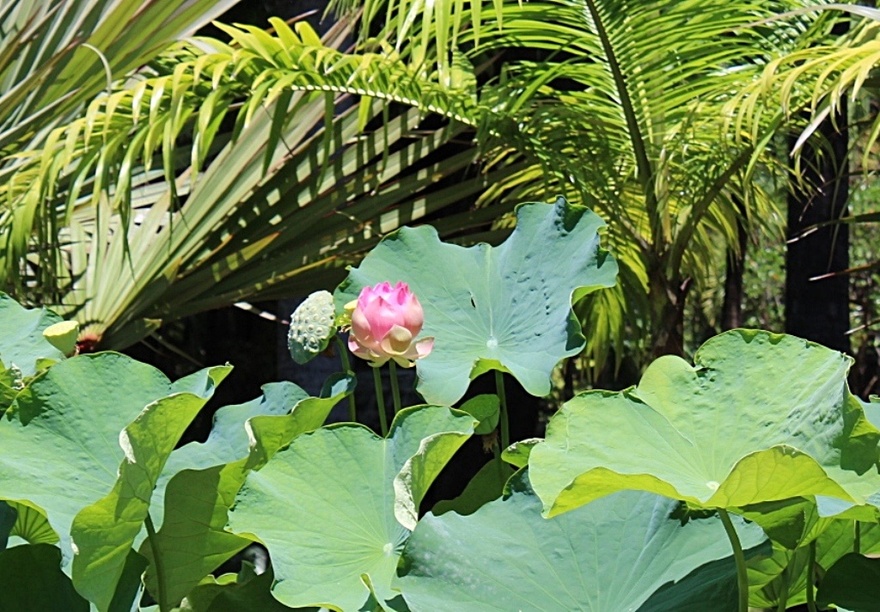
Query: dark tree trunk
[[731, 307], [667, 306], [817, 301]]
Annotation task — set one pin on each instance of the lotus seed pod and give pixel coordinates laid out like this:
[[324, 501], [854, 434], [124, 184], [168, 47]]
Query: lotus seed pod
[[312, 326], [63, 336]]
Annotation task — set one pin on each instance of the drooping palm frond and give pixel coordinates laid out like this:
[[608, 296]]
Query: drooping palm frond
[[56, 55], [822, 84], [428, 31], [114, 143], [813, 80], [618, 105], [300, 183]]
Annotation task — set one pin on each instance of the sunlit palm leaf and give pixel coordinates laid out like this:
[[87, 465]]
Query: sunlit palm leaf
[[815, 78], [101, 151], [623, 110], [282, 207], [56, 56]]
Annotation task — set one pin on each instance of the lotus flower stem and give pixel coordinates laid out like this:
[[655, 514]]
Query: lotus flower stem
[[157, 561], [346, 364], [783, 591], [811, 564], [496, 448], [395, 388], [857, 538], [502, 400], [742, 578], [380, 401]]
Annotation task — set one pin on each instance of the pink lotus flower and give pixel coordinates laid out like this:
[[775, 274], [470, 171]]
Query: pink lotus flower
[[384, 323]]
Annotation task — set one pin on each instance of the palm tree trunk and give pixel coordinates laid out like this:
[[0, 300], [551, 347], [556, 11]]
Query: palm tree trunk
[[731, 307], [667, 310], [816, 300]]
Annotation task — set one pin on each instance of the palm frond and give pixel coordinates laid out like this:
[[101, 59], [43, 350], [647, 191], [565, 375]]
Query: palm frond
[[111, 151], [303, 185], [56, 56], [427, 31], [625, 113], [813, 80], [619, 105]]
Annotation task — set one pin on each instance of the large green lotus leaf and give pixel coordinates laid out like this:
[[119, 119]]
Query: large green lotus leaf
[[760, 417], [834, 538], [271, 433], [612, 554], [104, 532], [31, 580], [852, 583], [228, 439], [325, 507], [711, 586], [507, 307], [193, 541], [486, 409], [832, 507], [129, 587], [517, 454], [21, 335], [872, 410], [31, 525], [870, 511], [75, 412], [790, 523]]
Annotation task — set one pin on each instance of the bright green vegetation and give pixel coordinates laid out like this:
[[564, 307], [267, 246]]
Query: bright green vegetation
[[147, 175], [743, 478]]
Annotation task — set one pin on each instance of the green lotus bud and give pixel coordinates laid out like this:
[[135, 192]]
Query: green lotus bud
[[63, 336], [312, 326]]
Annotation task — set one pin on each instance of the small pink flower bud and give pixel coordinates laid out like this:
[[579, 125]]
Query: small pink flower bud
[[384, 324]]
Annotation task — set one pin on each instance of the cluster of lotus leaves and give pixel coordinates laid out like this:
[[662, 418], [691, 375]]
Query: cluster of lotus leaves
[[615, 509], [757, 418]]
